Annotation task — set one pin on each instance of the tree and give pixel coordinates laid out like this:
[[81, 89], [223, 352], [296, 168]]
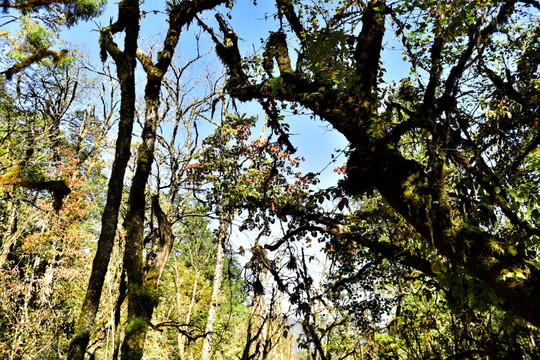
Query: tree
[[141, 288], [142, 298], [187, 296], [450, 149], [125, 65], [45, 238], [257, 175], [32, 45], [434, 228], [401, 311], [39, 23]]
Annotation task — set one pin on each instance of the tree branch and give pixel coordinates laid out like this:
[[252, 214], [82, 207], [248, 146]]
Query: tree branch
[[34, 58]]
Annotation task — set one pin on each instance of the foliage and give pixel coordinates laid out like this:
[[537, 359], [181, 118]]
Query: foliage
[[45, 271], [256, 175], [38, 25], [430, 242], [438, 176], [48, 135]]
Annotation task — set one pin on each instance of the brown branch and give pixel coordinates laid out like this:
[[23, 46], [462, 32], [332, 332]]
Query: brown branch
[[503, 86], [475, 38], [286, 8], [435, 71], [161, 247], [58, 188], [498, 199], [387, 249], [34, 4], [341, 14], [146, 61], [276, 47], [107, 44], [368, 48], [180, 14]]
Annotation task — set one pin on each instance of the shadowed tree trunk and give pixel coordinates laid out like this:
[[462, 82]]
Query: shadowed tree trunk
[[419, 192]]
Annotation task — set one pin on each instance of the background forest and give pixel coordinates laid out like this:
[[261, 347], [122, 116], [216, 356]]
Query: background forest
[[287, 179]]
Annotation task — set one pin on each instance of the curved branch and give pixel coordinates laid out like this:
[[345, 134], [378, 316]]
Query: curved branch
[[286, 8], [368, 48], [498, 199], [34, 58], [475, 38]]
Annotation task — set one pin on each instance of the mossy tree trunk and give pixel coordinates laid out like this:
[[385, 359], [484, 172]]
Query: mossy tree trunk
[[142, 289], [128, 15]]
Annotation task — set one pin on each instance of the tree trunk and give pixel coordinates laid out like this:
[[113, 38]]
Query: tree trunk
[[11, 230], [142, 298], [413, 189], [181, 336], [117, 314], [142, 290], [223, 234], [128, 19]]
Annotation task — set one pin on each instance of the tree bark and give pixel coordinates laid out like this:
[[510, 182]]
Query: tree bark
[[181, 338], [223, 235], [10, 235], [142, 290], [128, 20], [142, 298]]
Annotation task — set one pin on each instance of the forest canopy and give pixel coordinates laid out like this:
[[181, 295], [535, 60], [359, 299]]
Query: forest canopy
[[154, 204]]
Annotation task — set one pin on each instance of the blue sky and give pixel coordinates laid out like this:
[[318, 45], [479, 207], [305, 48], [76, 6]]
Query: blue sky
[[315, 140]]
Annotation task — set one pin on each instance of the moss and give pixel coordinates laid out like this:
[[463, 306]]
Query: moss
[[479, 245], [152, 276], [13, 175], [35, 58], [135, 324], [414, 186], [147, 296]]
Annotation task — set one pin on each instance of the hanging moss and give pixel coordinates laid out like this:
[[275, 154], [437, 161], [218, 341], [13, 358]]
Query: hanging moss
[[34, 58]]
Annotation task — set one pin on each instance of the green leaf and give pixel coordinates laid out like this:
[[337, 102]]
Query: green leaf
[[535, 214], [470, 295]]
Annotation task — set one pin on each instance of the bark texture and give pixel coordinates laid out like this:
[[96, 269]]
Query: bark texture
[[143, 279], [128, 21]]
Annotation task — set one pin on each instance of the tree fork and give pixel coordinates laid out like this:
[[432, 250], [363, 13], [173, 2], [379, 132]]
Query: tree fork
[[404, 185]]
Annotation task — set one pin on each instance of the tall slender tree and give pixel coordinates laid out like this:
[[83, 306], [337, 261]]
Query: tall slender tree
[[128, 15], [142, 289]]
